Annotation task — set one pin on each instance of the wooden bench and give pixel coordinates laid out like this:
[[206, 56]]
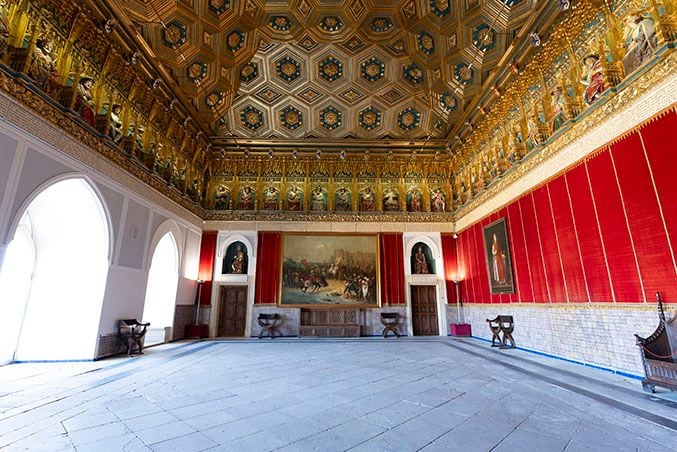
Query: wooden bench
[[502, 324], [131, 333], [330, 323], [659, 353], [389, 320], [268, 324]]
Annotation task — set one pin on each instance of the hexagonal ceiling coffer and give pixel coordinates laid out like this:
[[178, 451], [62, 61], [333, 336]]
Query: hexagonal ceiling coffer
[[448, 101], [370, 118], [373, 69], [463, 73], [197, 71], [331, 24], [330, 69], [214, 99], [174, 35], [291, 117], [249, 72], [235, 40], [251, 117], [426, 42], [219, 7], [413, 73], [483, 37], [409, 119], [440, 8], [330, 118], [381, 24], [280, 23], [288, 69]]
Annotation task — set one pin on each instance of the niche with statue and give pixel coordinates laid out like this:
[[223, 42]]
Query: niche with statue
[[236, 260]]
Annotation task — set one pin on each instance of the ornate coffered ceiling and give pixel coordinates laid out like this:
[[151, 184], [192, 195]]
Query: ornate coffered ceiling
[[330, 70]]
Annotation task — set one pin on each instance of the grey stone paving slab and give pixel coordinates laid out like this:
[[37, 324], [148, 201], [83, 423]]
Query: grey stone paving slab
[[164, 432], [391, 442], [194, 442], [332, 395]]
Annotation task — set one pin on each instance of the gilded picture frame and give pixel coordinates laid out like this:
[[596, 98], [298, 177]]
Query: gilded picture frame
[[499, 261], [330, 270]]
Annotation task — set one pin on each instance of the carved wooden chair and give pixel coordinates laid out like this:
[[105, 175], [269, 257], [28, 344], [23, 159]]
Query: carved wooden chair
[[495, 327], [268, 324], [390, 321]]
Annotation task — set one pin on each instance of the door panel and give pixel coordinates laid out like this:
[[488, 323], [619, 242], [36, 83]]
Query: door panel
[[233, 310], [424, 310]]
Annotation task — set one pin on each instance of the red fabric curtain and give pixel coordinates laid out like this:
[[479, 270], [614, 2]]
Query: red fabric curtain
[[605, 230], [206, 269], [659, 141], [268, 268], [451, 270], [392, 269]]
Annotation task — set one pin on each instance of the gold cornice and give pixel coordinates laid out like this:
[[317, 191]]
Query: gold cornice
[[25, 116], [615, 103], [372, 217]]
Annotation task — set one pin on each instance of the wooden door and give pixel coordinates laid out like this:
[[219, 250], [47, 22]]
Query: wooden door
[[424, 310], [232, 310]]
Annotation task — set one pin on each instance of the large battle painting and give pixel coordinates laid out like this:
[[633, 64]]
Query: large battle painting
[[499, 263], [330, 270]]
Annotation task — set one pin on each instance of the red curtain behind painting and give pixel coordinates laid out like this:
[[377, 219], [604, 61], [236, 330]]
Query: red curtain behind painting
[[604, 231], [206, 269], [268, 268], [392, 269], [451, 273]]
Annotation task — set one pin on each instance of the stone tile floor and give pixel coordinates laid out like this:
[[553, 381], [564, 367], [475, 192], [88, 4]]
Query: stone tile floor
[[406, 394]]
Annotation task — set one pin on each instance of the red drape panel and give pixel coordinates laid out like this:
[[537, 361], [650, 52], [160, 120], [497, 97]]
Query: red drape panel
[[567, 237], [590, 243], [518, 251], [533, 246], [659, 139], [451, 270], [644, 219], [617, 244], [268, 268], [206, 267], [392, 269], [549, 246], [614, 217], [465, 267], [481, 278]]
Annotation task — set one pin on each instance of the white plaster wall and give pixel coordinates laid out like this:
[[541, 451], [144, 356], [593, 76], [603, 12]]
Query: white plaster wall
[[28, 164]]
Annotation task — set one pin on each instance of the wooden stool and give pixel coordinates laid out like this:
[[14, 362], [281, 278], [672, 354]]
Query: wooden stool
[[390, 321], [495, 327], [268, 324]]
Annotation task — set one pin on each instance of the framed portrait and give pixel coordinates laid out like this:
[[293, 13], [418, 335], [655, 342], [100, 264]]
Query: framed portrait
[[499, 262], [330, 270]]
